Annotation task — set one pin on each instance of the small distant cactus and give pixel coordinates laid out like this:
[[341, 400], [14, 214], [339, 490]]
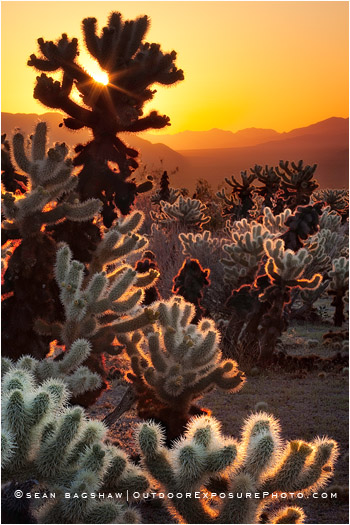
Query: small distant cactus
[[185, 211], [240, 202], [65, 452], [181, 363], [258, 463], [189, 283]]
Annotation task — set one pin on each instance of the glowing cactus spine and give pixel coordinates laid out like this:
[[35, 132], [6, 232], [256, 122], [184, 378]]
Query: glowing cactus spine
[[258, 463], [182, 363], [42, 439]]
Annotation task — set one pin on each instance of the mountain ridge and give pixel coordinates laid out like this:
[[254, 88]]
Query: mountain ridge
[[324, 143]]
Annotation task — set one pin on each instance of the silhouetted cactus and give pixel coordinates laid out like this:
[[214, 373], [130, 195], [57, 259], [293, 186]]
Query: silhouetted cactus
[[270, 181], [337, 200], [146, 264], [164, 192], [303, 223], [339, 288], [259, 309], [107, 110], [183, 362], [258, 463], [64, 451], [297, 182], [189, 283]]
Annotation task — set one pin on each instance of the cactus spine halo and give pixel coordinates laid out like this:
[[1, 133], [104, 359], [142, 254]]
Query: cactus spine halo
[[50, 184], [257, 463], [64, 451], [186, 211], [176, 362]]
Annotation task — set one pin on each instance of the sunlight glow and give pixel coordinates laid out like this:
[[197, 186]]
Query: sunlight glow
[[100, 77]]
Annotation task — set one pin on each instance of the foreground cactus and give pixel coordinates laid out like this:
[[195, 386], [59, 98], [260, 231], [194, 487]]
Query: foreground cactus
[[79, 379], [176, 363], [44, 440], [258, 463]]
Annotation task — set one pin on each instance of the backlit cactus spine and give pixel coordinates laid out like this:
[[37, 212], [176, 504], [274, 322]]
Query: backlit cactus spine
[[79, 379], [49, 175], [186, 211], [65, 452], [258, 463], [177, 362]]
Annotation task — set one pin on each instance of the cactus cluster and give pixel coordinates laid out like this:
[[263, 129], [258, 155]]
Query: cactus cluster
[[259, 464], [64, 452], [177, 362]]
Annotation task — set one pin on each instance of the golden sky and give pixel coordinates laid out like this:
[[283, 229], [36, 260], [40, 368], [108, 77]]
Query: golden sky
[[277, 65]]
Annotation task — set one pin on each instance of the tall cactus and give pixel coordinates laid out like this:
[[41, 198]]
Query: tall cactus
[[133, 67], [259, 463]]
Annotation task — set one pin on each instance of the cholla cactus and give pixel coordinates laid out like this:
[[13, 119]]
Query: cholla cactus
[[297, 182], [132, 67], [107, 300], [330, 220], [190, 282], [79, 379], [49, 198], [258, 463], [276, 223], [176, 363], [65, 452], [339, 287], [285, 268], [50, 178], [337, 200], [201, 245], [270, 183], [186, 211], [172, 197], [244, 254]]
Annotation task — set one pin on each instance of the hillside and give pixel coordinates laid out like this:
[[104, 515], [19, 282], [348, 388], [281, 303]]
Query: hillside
[[325, 143]]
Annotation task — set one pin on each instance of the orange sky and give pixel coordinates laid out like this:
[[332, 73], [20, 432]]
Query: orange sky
[[277, 65]]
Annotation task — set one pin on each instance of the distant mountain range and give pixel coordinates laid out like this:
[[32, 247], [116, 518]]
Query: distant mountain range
[[216, 154]]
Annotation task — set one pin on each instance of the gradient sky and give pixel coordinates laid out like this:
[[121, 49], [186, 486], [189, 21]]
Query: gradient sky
[[277, 65]]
